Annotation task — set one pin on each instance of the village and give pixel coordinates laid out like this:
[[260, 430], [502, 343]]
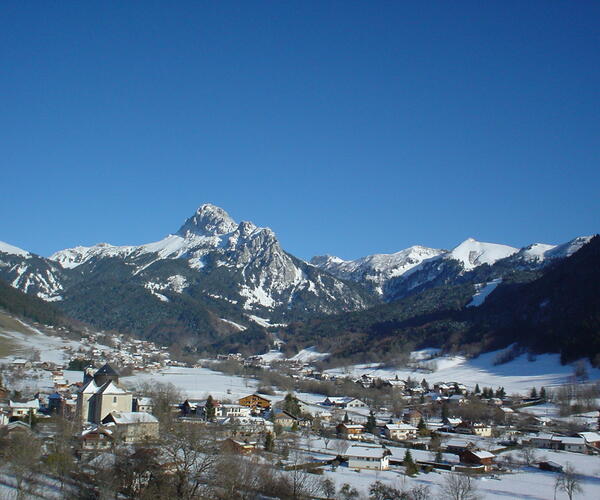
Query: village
[[408, 427]]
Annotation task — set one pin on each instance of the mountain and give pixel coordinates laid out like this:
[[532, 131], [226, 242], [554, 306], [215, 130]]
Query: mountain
[[374, 271], [212, 280], [395, 276], [554, 309]]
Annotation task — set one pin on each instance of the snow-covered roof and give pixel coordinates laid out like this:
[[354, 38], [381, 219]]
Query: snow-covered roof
[[483, 454], [590, 437], [133, 417], [401, 427], [112, 388], [33, 404], [365, 451]]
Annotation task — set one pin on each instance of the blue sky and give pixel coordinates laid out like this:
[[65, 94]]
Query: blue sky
[[349, 128]]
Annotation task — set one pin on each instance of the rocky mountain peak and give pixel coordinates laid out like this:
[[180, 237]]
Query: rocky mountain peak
[[209, 220]]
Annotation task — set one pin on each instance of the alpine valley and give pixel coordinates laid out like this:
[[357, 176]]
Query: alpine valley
[[218, 285]]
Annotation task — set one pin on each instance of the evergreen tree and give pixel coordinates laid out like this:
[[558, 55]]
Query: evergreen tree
[[371, 423], [408, 462], [291, 405], [438, 456], [533, 393], [444, 411], [425, 385], [209, 408], [477, 390], [422, 428], [542, 393], [500, 392], [269, 442], [346, 419]]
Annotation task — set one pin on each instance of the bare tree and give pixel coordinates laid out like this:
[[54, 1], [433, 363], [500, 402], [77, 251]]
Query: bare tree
[[569, 482], [528, 454], [458, 486], [21, 452], [191, 452]]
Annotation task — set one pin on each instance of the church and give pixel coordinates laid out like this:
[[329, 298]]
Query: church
[[101, 394]]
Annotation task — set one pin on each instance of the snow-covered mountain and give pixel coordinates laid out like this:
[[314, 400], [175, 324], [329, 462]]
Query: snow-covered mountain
[[376, 270], [392, 276], [231, 274]]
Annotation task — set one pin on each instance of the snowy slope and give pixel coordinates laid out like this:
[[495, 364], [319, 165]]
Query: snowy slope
[[472, 253], [376, 269], [12, 250]]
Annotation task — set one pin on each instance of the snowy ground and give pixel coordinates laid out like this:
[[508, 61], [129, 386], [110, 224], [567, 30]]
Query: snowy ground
[[516, 376], [196, 383]]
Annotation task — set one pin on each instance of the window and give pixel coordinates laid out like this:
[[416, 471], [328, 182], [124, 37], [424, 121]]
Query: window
[[114, 399]]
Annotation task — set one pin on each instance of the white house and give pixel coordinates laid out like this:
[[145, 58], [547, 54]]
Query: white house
[[400, 432], [344, 402], [368, 457]]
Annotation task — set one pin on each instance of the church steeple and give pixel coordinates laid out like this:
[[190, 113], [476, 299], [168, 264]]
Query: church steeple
[[106, 374]]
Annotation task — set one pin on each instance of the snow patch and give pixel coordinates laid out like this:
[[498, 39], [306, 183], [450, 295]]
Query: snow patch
[[482, 291], [472, 253], [12, 250]]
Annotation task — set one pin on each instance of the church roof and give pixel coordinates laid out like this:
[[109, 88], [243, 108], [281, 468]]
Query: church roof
[[107, 370]]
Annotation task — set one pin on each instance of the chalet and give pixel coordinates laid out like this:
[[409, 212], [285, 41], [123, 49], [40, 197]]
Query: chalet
[[23, 409], [458, 446], [476, 428], [400, 432], [97, 438], [591, 438], [368, 457], [237, 446], [478, 457], [134, 427], [255, 402], [351, 431]]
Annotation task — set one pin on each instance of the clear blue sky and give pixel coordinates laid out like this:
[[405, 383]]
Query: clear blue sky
[[348, 127]]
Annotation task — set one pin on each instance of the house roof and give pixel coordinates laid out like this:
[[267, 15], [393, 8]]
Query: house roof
[[590, 437], [483, 454], [365, 451], [133, 417], [401, 427], [33, 404]]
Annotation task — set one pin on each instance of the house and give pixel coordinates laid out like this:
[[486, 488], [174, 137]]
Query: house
[[17, 409], [237, 446], [367, 457], [284, 419], [574, 444], [234, 411], [344, 402], [478, 457], [457, 446], [476, 428], [351, 431], [591, 438], [96, 438], [133, 427], [400, 432], [101, 394], [412, 417], [13, 428], [550, 466], [143, 404], [255, 402], [542, 440]]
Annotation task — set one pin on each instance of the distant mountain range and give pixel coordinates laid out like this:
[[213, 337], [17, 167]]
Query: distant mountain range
[[216, 284]]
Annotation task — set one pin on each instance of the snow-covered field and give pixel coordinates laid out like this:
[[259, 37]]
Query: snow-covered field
[[516, 376], [196, 383]]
